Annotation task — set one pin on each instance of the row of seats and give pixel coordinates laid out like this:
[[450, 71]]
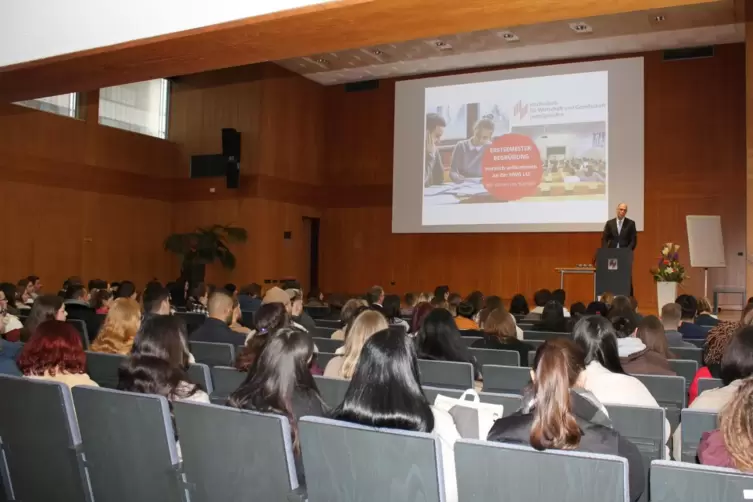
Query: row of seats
[[120, 446]]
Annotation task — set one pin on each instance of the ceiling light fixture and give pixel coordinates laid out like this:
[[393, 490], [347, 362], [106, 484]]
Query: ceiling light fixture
[[659, 18], [322, 61], [377, 52], [509, 36], [581, 28]]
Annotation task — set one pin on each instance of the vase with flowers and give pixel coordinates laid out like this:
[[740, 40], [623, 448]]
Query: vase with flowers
[[668, 273]]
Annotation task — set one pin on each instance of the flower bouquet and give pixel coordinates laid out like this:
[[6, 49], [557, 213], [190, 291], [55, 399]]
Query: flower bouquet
[[669, 268]]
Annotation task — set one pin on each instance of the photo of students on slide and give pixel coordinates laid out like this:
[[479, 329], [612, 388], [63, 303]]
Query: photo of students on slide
[[433, 166], [468, 153]]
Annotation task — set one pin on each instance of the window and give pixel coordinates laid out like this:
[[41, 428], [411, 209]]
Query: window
[[65, 104], [140, 107]]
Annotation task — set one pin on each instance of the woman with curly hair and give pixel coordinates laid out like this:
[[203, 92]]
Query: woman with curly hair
[[732, 444], [119, 329]]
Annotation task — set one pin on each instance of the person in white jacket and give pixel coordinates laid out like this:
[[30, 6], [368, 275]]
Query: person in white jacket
[[385, 391], [604, 376]]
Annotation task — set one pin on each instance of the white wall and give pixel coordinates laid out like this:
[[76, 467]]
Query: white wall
[[36, 29]]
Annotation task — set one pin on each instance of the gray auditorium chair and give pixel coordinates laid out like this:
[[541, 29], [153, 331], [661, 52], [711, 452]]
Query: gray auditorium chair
[[103, 368], [247, 318], [199, 374], [543, 335], [327, 344], [322, 358], [192, 319], [317, 312], [688, 353], [700, 343], [83, 331], [397, 329], [510, 402], [129, 446], [322, 332], [231, 454], [225, 381], [496, 357], [213, 354], [485, 470], [531, 358], [684, 368], [506, 379], [680, 481], [535, 344], [40, 443], [328, 323], [346, 462], [694, 424], [470, 340], [669, 391], [446, 374], [705, 384], [332, 390]]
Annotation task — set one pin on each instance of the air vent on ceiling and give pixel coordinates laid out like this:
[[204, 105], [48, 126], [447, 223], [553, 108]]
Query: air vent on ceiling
[[581, 28], [365, 85], [688, 53], [508, 36]]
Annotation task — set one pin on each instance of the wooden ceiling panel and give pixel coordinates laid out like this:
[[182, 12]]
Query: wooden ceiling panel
[[324, 28]]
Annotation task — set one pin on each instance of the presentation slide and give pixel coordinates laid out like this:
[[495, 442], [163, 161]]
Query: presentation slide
[[549, 148]]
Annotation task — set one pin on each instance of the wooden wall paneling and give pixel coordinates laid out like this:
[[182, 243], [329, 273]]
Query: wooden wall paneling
[[318, 29], [749, 146]]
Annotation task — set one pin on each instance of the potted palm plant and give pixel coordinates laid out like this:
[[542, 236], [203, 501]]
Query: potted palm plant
[[204, 246]]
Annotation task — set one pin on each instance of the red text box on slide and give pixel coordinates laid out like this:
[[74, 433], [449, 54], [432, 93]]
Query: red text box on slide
[[512, 167]]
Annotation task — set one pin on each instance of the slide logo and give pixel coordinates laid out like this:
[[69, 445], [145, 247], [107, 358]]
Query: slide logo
[[521, 110]]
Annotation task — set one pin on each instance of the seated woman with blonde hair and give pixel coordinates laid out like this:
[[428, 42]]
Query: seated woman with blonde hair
[[119, 328], [363, 326]]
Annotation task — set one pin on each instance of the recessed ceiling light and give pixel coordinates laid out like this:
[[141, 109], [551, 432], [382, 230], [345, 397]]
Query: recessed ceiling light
[[377, 52], [659, 18], [509, 36], [322, 61], [580, 27]]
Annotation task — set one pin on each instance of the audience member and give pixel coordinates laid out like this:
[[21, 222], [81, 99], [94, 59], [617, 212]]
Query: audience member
[[442, 293], [346, 314], [651, 333], [621, 307], [269, 319], [363, 326], [159, 362], [559, 296], [156, 301], [552, 319], [236, 317], [385, 391], [127, 289], [55, 352], [452, 303], [704, 316], [519, 305], [410, 300], [476, 300], [8, 353], [71, 281], [250, 297], [101, 301], [45, 308], [114, 286], [491, 303], [558, 417], [438, 303], [500, 332], [635, 357], [178, 293], [736, 366], [37, 283], [95, 285], [198, 300], [25, 291], [8, 293], [281, 383], [216, 327], [299, 315], [424, 297], [670, 318], [277, 295], [391, 310], [540, 298], [689, 329], [732, 444], [118, 331], [577, 310], [597, 308], [634, 305], [78, 307], [606, 298], [464, 319], [10, 324], [375, 297], [439, 339], [419, 315], [230, 289], [315, 298]]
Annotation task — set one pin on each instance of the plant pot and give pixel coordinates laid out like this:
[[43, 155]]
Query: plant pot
[[666, 292]]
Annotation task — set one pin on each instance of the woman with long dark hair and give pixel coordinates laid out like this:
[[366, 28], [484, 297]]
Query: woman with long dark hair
[[391, 310], [552, 319], [385, 391], [159, 362], [270, 318], [420, 312], [281, 383], [440, 340], [560, 418], [45, 308], [519, 305]]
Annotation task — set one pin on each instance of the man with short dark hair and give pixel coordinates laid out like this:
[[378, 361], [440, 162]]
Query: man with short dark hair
[[671, 314], [78, 307], [231, 288], [216, 328], [375, 297], [156, 300], [250, 297], [689, 329], [540, 298], [559, 296]]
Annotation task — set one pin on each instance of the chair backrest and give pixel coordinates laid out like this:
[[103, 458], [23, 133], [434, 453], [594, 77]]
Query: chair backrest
[[506, 379], [213, 354], [327, 344], [700, 343], [529, 475], [247, 318], [129, 445], [496, 357], [322, 332], [510, 402], [543, 335], [83, 331], [535, 344], [446, 374], [531, 358], [231, 454], [694, 424], [322, 358], [199, 374], [103, 368], [471, 332], [40, 442], [674, 481], [332, 390], [328, 323], [669, 391], [470, 340], [688, 354], [317, 312], [346, 462], [225, 381], [192, 319], [705, 384], [684, 368]]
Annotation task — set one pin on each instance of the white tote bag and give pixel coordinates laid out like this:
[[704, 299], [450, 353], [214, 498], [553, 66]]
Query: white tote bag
[[473, 419]]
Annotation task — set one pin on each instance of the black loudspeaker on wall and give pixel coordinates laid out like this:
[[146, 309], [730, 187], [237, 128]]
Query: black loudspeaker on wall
[[231, 151]]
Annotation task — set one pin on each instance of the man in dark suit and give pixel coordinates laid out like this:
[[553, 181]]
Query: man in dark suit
[[78, 307], [620, 232], [216, 328]]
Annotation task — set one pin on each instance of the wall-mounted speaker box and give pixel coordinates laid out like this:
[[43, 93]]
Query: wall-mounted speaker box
[[231, 144]]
